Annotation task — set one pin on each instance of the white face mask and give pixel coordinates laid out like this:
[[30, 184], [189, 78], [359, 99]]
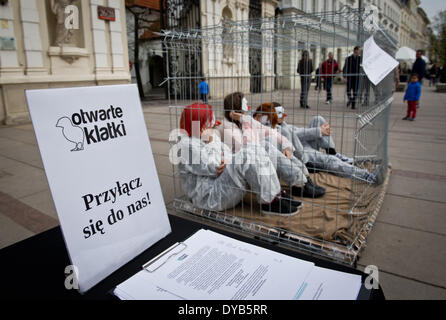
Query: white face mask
[[264, 120], [245, 105], [280, 111]]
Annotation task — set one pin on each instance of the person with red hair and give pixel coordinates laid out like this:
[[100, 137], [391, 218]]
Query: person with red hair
[[196, 118], [215, 179]]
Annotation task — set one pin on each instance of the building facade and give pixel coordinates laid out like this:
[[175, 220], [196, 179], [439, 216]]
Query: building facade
[[221, 64], [409, 17], [150, 53], [389, 16], [38, 50], [260, 69], [225, 59], [422, 31], [319, 50], [414, 26]]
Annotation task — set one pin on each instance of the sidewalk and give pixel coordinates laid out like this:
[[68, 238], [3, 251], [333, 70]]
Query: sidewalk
[[408, 243]]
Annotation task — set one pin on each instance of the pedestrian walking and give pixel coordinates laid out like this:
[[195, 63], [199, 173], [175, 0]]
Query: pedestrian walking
[[318, 86], [351, 73], [203, 87], [433, 71], [305, 68], [329, 68]]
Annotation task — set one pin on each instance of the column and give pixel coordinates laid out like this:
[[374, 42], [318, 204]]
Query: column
[[116, 37], [31, 37], [100, 50], [245, 17]]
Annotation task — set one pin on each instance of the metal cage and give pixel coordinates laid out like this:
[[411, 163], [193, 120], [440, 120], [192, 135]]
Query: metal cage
[[260, 58]]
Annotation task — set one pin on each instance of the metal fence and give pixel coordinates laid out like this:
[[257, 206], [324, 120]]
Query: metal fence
[[260, 59]]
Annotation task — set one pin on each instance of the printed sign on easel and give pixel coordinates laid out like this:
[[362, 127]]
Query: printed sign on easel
[[102, 175]]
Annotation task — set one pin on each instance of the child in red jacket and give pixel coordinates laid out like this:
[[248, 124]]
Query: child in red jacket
[[329, 68]]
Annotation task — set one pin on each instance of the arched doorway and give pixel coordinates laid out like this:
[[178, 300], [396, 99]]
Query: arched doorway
[[156, 71]]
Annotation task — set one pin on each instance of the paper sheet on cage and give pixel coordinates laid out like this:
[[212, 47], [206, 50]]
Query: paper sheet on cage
[[377, 63]]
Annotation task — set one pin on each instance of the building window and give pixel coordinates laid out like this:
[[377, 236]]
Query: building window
[[323, 54], [228, 49], [325, 8]]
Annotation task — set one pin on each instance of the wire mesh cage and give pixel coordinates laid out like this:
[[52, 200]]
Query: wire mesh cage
[[263, 60]]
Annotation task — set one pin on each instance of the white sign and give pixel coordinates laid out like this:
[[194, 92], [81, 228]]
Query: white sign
[[377, 63], [100, 169]]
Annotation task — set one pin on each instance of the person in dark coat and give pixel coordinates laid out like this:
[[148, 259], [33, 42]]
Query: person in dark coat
[[442, 74], [305, 68], [318, 86], [433, 71], [419, 66], [351, 71]]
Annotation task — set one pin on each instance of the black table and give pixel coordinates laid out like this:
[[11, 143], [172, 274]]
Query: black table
[[34, 268]]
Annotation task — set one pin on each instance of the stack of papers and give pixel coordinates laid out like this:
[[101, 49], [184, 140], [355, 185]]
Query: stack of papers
[[210, 266]]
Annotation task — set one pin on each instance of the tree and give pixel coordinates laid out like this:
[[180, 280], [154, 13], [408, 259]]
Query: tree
[[433, 46], [438, 37], [144, 21]]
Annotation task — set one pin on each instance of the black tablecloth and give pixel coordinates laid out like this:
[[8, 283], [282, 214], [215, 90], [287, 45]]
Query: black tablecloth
[[35, 268]]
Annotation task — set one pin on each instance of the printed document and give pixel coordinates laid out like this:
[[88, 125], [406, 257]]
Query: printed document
[[210, 266], [216, 267], [377, 63], [326, 284]]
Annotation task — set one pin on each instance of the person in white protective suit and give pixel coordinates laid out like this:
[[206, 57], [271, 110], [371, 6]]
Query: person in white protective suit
[[316, 137], [239, 129], [215, 179]]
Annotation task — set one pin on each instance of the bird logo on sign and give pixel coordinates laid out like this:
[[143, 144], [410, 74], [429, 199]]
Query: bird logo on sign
[[72, 133]]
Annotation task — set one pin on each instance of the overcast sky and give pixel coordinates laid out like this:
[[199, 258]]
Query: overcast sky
[[432, 7]]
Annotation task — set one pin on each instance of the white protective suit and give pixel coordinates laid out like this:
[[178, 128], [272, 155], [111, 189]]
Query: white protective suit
[[312, 141], [292, 171], [249, 167], [290, 132]]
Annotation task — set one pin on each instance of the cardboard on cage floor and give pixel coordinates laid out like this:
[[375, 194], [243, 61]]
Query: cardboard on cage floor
[[326, 218]]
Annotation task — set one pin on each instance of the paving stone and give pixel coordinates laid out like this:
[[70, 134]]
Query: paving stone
[[415, 214], [23, 180], [417, 188], [41, 201], [11, 232], [410, 253]]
